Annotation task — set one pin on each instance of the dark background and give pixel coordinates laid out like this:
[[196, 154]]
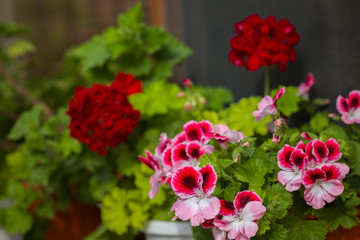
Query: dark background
[[329, 44]]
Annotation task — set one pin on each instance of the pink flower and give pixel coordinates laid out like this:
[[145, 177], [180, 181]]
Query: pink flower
[[267, 105], [194, 188], [305, 87], [223, 135], [322, 185], [292, 162], [158, 177], [239, 217], [350, 107], [188, 83]]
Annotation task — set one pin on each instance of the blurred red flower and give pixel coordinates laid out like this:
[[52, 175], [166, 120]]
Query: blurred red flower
[[263, 42], [102, 116]]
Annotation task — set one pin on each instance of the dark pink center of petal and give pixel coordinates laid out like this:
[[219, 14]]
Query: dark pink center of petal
[[227, 208], [179, 152], [311, 176], [344, 104], [242, 198], [193, 149], [186, 181], [354, 100], [193, 131], [332, 172], [320, 151], [284, 157], [333, 148], [206, 126], [298, 158], [209, 179]]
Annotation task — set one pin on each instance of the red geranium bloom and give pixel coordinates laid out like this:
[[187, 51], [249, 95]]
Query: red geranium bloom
[[102, 116], [263, 42]]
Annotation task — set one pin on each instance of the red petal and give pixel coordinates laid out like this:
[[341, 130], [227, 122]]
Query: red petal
[[209, 179], [193, 131], [227, 208], [283, 157], [242, 198], [186, 182], [320, 151]]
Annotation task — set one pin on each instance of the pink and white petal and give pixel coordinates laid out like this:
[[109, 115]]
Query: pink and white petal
[[166, 158], [232, 136], [206, 126], [298, 158], [279, 94], [194, 149], [354, 99], [333, 187], [178, 152], [221, 129], [180, 164], [155, 186], [346, 118], [283, 157], [291, 180], [243, 198], [179, 138], [331, 171], [341, 105], [226, 223], [209, 179], [218, 234], [193, 131], [320, 151], [344, 169], [236, 228], [250, 229], [301, 145], [187, 208], [253, 210], [197, 220], [334, 153], [209, 207], [285, 176], [227, 208], [208, 149], [186, 182], [312, 176], [314, 196], [265, 102], [164, 141]]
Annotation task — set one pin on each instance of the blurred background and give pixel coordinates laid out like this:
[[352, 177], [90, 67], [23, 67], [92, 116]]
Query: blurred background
[[329, 30]]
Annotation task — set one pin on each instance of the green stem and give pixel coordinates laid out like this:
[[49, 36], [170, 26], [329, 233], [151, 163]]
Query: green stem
[[267, 80]]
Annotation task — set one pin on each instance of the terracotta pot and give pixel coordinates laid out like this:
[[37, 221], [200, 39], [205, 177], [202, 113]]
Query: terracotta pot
[[345, 234], [74, 224]]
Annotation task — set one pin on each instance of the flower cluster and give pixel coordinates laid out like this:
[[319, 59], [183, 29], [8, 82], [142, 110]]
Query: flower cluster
[[102, 116], [176, 163], [349, 107], [263, 42], [315, 166]]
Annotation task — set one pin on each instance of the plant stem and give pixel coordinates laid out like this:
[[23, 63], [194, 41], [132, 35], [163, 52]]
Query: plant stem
[[266, 80]]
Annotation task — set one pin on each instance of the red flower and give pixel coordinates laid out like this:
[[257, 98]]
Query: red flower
[[102, 115], [263, 42]]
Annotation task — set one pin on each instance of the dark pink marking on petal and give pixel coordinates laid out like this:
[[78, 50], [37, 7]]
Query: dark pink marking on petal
[[179, 152], [150, 161], [279, 94], [242, 198], [193, 131], [227, 208], [333, 147], [206, 126], [186, 182], [283, 157], [311, 176], [179, 138], [301, 145], [320, 151], [298, 158], [167, 158], [354, 99], [341, 105], [194, 150], [306, 136], [209, 179], [331, 171]]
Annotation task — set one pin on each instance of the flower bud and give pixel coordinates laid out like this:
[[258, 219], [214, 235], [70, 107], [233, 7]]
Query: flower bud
[[187, 83]]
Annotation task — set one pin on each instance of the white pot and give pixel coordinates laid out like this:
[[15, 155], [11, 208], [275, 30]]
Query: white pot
[[167, 230]]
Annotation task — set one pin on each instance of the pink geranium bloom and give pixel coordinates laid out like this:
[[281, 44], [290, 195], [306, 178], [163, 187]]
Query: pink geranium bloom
[[239, 217], [292, 162], [305, 87], [350, 107], [198, 131], [187, 154], [322, 185], [218, 234], [194, 188], [158, 178], [267, 105], [223, 135]]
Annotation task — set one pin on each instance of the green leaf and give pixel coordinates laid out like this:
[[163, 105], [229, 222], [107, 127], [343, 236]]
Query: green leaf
[[354, 160], [68, 145], [173, 52], [199, 233], [231, 190], [216, 97], [319, 122], [289, 103], [339, 214], [154, 38], [113, 211], [157, 98], [133, 18], [46, 209], [17, 220], [277, 232], [28, 121], [300, 229], [20, 47], [18, 164], [244, 108]]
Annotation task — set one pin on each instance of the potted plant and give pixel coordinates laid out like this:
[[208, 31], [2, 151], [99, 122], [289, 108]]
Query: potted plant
[[295, 180]]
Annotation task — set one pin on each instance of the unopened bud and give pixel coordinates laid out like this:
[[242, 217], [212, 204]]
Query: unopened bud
[[180, 94], [279, 122], [187, 106], [275, 138], [187, 83], [202, 100], [306, 136], [245, 144]]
